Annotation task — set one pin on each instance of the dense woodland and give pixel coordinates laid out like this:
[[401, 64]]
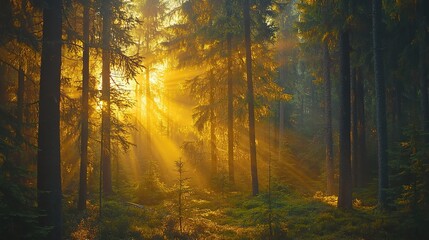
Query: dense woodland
[[214, 119]]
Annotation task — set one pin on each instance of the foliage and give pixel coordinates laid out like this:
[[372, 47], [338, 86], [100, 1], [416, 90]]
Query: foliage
[[18, 214], [201, 42], [188, 40], [151, 191], [410, 186]]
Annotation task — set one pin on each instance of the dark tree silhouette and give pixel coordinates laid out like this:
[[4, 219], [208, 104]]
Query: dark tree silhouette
[[49, 161], [213, 149], [230, 98], [20, 107], [328, 116], [250, 99], [422, 68], [361, 172], [84, 114], [353, 133], [380, 91], [345, 183], [106, 10]]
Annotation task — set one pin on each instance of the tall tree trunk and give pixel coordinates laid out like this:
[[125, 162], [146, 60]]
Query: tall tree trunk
[[302, 113], [312, 108], [137, 121], [397, 105], [19, 156], [424, 105], [281, 128], [106, 9], [362, 175], [250, 99], [380, 91], [20, 107], [230, 101], [138, 113], [81, 205], [49, 161], [353, 133], [345, 181], [328, 119], [212, 129], [19, 137], [148, 108], [148, 123], [4, 99]]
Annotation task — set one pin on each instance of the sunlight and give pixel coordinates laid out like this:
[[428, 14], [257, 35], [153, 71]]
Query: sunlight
[[217, 120], [157, 74], [328, 199]]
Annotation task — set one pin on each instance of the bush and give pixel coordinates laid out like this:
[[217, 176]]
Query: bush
[[151, 191]]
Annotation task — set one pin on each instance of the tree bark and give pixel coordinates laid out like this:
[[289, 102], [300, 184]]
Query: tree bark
[[250, 99], [281, 128], [81, 205], [397, 105], [49, 161], [424, 105], [302, 112], [148, 109], [345, 181], [362, 174], [328, 119], [212, 129], [138, 117], [148, 120], [105, 118], [230, 101], [380, 90], [20, 108], [354, 135]]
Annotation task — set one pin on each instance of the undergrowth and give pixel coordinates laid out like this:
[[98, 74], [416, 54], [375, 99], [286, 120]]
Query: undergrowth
[[239, 216]]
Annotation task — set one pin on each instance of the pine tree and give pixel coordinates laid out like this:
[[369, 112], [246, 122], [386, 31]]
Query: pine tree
[[49, 162], [83, 185], [345, 181], [380, 90], [106, 10], [250, 99]]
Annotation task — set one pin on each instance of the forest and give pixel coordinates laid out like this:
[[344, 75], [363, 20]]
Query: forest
[[214, 119]]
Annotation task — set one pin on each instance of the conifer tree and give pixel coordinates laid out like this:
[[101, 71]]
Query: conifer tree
[[49, 162], [380, 90]]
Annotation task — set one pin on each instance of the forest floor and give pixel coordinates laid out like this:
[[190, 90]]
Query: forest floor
[[292, 209], [208, 215]]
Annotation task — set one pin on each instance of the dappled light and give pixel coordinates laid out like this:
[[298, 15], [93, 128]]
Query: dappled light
[[214, 119]]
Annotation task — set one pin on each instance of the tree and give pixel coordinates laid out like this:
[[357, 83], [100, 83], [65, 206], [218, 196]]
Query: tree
[[250, 99], [20, 107], [355, 164], [422, 67], [182, 190], [318, 26], [152, 16], [328, 119], [380, 91], [345, 183], [49, 162], [106, 10], [212, 120], [201, 41], [359, 21], [228, 7], [361, 173], [84, 111]]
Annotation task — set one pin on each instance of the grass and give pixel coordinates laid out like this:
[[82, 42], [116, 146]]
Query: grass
[[240, 216], [297, 210]]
